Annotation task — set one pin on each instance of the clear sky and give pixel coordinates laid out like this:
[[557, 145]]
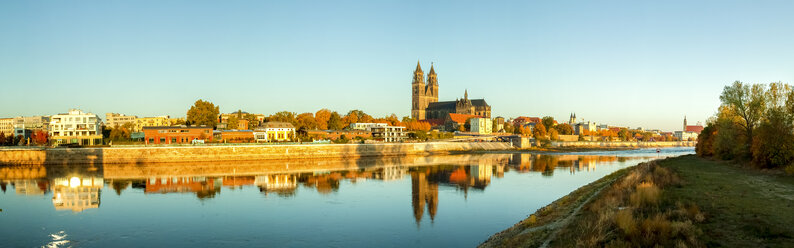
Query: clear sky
[[629, 63]]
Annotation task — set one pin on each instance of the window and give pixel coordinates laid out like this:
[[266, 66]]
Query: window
[[173, 140], [162, 140], [151, 140]]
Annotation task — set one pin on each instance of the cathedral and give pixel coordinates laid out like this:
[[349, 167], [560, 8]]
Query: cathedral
[[425, 99]]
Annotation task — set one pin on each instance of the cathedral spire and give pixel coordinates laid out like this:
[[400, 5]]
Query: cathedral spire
[[432, 72], [418, 67], [466, 94]]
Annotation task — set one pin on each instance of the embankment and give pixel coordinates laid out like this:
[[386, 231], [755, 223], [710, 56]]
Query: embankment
[[138, 155], [622, 144]]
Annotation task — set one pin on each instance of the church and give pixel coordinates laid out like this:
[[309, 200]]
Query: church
[[425, 99]]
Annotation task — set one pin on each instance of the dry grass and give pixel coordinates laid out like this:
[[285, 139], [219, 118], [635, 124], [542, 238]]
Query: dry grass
[[633, 213]]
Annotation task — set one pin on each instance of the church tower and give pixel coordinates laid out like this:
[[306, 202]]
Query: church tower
[[418, 105], [684, 124], [432, 85]]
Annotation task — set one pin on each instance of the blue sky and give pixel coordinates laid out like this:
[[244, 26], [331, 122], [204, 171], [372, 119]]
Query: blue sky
[[618, 62]]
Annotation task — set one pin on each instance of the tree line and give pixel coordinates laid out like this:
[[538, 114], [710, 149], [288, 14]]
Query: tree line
[[755, 123]]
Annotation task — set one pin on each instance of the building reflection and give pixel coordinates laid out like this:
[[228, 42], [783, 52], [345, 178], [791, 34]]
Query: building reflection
[[76, 193], [78, 188]]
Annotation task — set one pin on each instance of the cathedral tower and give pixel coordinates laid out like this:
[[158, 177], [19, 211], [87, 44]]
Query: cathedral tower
[[423, 93]]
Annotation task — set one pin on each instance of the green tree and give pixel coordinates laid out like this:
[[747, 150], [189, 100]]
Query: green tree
[[335, 121], [564, 128], [203, 113], [548, 122], [232, 122], [748, 104], [509, 128], [285, 116]]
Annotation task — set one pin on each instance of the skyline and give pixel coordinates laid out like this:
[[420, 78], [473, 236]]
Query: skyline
[[619, 63]]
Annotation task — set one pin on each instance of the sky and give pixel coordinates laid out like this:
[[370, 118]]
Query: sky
[[626, 63]]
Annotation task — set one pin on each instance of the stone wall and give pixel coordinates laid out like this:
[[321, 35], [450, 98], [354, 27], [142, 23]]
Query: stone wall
[[619, 144], [141, 155]]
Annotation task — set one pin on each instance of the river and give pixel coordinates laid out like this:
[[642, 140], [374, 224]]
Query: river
[[430, 201]]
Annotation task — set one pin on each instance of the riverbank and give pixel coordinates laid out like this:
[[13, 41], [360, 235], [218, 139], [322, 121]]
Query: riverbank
[[685, 200], [139, 155]]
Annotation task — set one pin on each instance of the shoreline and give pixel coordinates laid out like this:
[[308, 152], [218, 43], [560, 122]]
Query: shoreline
[[685, 200]]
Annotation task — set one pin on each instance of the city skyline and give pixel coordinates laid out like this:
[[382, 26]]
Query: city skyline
[[619, 63]]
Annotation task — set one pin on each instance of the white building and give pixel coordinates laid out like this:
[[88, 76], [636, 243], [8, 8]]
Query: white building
[[76, 127], [113, 119], [591, 127], [389, 133], [275, 132], [366, 126], [481, 125], [686, 136]]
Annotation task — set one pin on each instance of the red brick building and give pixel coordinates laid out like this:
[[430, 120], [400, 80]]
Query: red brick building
[[176, 134]]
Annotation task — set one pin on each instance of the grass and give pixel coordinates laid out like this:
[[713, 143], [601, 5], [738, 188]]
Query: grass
[[743, 207], [677, 202]]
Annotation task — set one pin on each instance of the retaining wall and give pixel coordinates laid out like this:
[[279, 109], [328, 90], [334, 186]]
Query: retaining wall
[[621, 144], [128, 155]]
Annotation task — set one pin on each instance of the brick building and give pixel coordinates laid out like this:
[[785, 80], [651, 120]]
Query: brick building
[[176, 134]]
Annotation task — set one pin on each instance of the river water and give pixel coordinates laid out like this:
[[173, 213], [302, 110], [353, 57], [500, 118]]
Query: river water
[[430, 201]]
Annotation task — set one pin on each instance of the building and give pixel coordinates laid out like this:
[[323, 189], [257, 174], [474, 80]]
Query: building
[[115, 119], [76, 127], [366, 126], [157, 121], [499, 124], [275, 132], [7, 126], [235, 136], [523, 121], [389, 133], [176, 134], [690, 132], [425, 104], [25, 126], [572, 120], [481, 125], [585, 127], [337, 134], [453, 122]]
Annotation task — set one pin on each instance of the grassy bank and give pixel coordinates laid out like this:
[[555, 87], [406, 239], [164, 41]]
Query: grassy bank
[[685, 202]]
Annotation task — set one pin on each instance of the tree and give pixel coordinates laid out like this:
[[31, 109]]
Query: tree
[[509, 128], [539, 131], [553, 134], [624, 134], [335, 121], [548, 122], [306, 121], [564, 128], [2, 138], [417, 126], [748, 103], [321, 117], [203, 113]]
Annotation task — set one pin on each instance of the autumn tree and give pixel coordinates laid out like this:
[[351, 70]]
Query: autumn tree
[[306, 121], [40, 137], [624, 134], [321, 117], [203, 113], [539, 131], [553, 134]]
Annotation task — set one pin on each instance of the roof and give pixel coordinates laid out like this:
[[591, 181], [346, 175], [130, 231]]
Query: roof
[[461, 118], [528, 119], [176, 127], [451, 104], [696, 128], [434, 122], [275, 124]]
